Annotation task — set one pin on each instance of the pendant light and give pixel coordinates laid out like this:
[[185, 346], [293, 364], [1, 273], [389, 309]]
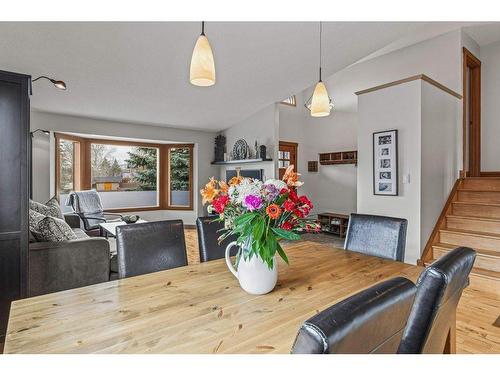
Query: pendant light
[[319, 104], [202, 70]]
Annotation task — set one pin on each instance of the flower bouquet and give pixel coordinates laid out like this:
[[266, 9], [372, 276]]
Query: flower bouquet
[[260, 215]]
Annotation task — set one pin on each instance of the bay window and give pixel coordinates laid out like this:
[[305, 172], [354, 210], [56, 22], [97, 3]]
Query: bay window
[[128, 175]]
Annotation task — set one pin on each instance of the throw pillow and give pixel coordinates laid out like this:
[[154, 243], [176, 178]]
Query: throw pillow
[[34, 218], [50, 208], [51, 229]]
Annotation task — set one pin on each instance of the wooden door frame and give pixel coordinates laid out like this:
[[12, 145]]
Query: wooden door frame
[[473, 169], [295, 146]]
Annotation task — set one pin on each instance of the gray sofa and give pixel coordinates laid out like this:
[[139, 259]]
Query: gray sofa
[[56, 266]]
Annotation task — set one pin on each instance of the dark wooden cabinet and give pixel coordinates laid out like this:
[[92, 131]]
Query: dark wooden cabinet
[[14, 190]]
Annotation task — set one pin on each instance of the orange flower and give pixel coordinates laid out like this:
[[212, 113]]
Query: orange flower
[[236, 180], [209, 192], [273, 211], [223, 187], [292, 178]]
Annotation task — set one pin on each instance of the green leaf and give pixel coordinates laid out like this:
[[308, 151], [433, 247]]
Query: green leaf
[[282, 254], [291, 236], [258, 229], [244, 219]]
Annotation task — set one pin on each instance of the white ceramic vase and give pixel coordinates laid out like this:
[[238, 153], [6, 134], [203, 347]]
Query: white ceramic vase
[[254, 275]]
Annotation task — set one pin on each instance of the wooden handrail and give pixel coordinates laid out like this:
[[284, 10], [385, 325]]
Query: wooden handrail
[[440, 224]]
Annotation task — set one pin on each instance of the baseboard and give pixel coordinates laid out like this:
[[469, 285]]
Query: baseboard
[[490, 174], [189, 226]]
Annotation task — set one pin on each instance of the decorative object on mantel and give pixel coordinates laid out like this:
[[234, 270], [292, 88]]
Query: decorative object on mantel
[[319, 104], [260, 215], [312, 166], [385, 163], [241, 150], [220, 148], [263, 152], [256, 147], [340, 157]]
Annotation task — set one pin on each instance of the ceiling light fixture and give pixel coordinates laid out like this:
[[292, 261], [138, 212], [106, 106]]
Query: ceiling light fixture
[[319, 104], [202, 70], [59, 84]]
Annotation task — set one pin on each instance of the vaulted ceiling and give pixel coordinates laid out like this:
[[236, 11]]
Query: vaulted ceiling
[[138, 72]]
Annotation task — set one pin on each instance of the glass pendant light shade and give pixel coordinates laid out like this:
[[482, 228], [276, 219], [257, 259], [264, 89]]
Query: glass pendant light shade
[[202, 70], [320, 102]]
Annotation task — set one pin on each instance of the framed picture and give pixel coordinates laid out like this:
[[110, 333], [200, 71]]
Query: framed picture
[[385, 163]]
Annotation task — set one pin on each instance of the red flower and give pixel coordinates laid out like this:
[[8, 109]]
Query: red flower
[[220, 203], [306, 210], [293, 196], [305, 201], [286, 225], [283, 191], [289, 206], [298, 213]]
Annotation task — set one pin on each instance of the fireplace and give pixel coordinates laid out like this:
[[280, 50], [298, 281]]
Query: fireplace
[[257, 174]]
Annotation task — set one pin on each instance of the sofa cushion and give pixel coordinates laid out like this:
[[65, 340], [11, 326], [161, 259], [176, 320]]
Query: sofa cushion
[[50, 208], [51, 229]]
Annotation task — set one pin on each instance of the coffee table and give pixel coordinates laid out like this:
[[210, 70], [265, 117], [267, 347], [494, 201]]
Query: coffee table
[[109, 228]]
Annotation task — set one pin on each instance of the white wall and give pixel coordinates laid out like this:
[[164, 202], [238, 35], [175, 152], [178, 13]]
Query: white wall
[[333, 187], [44, 165], [397, 107], [261, 127], [439, 157], [490, 108], [425, 118]]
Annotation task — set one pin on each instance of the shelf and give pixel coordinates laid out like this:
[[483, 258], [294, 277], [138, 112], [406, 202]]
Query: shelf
[[243, 161], [339, 157]]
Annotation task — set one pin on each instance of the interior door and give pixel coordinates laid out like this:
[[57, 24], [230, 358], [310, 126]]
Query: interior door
[[471, 114], [287, 156]]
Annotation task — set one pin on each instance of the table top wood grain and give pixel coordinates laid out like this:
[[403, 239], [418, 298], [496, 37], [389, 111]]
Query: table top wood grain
[[195, 309]]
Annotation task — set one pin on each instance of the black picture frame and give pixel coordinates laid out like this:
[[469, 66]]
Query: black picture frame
[[385, 163]]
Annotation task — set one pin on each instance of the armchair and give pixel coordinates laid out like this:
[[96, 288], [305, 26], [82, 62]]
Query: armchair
[[87, 205]]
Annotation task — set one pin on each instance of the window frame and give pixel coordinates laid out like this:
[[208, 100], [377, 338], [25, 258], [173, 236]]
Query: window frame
[[82, 172]]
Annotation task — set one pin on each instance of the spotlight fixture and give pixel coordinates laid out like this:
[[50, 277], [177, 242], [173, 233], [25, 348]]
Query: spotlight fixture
[[319, 104], [202, 69], [59, 84]]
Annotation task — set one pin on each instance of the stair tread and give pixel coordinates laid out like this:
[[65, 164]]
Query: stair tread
[[481, 218], [484, 272], [448, 246], [479, 190], [471, 232], [477, 203], [476, 271]]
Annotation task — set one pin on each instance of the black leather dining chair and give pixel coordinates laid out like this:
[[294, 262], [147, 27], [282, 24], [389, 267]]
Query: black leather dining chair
[[150, 247], [380, 236], [208, 239], [439, 289], [371, 321]]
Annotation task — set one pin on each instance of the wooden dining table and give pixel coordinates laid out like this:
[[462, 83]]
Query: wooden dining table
[[199, 308]]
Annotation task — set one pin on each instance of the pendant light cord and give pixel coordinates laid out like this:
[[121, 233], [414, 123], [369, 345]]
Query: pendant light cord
[[202, 27], [320, 51]]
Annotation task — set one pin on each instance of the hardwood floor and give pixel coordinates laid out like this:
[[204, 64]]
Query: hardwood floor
[[477, 313]]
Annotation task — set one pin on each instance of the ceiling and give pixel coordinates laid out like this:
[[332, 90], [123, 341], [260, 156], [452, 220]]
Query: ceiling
[[138, 72]]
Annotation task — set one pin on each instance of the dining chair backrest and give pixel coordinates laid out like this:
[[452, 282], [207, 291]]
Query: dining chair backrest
[[371, 321], [433, 314], [209, 232], [380, 236], [150, 247]]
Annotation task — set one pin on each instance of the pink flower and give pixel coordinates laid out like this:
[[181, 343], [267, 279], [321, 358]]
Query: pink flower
[[252, 202]]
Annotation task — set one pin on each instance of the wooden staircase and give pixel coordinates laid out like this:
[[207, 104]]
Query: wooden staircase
[[471, 217]]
